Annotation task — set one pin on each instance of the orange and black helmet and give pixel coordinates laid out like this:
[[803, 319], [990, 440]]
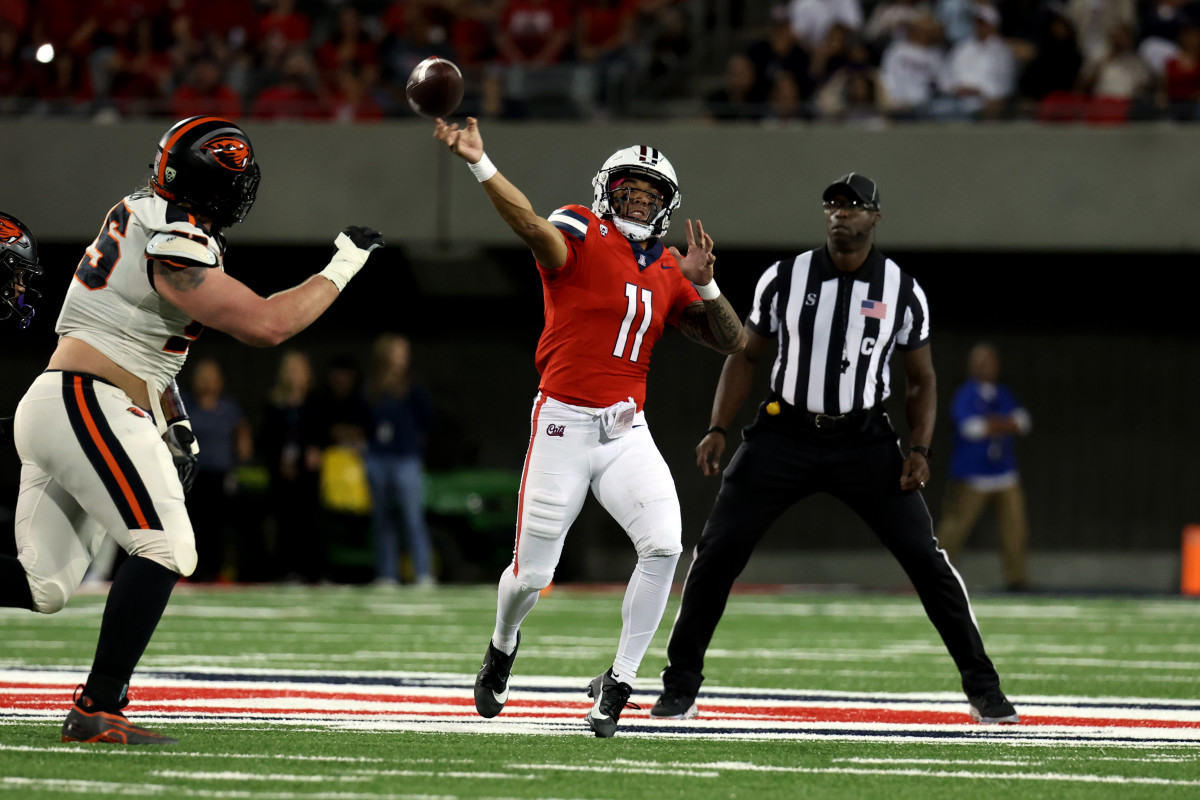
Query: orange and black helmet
[[18, 266], [207, 165]]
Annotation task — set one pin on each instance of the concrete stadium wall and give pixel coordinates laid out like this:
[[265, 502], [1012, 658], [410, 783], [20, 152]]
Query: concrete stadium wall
[[1009, 187]]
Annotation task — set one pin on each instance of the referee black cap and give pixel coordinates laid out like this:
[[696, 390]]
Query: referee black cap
[[857, 185]]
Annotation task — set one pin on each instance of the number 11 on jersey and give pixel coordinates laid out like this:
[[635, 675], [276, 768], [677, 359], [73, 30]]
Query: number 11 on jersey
[[631, 294]]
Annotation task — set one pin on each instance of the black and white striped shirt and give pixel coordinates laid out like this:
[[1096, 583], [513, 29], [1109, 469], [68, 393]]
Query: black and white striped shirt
[[838, 328]]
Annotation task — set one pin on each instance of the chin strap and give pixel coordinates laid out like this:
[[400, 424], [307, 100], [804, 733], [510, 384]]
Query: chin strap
[[633, 231]]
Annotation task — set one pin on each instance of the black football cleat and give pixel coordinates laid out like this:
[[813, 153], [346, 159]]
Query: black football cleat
[[612, 697], [491, 684], [675, 704], [111, 727], [992, 708]]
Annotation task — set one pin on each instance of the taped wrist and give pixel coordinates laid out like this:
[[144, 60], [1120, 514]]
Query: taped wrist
[[346, 262], [709, 291], [483, 168]]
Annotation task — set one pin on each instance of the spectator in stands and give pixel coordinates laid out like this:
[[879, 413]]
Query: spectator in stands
[[139, 70], [980, 75], [1056, 66], [911, 68], [890, 21], [1021, 22], [741, 97], [298, 96], [780, 52], [812, 19], [64, 86], [1181, 79], [667, 44], [350, 98], [1095, 19], [1117, 71], [603, 38], [786, 101], [834, 53], [350, 46], [16, 73], [283, 18], [228, 442], [534, 33], [205, 93], [957, 18], [851, 94]]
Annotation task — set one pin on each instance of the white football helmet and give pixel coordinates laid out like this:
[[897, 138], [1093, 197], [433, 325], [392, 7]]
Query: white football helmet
[[638, 161]]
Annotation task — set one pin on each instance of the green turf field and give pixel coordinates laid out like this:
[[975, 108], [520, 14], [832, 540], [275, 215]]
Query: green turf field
[[347, 693]]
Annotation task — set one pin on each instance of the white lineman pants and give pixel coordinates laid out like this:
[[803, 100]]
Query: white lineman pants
[[570, 454], [92, 464]]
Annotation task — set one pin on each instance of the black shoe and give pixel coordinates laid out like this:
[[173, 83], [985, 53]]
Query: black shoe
[[491, 684], [85, 723], [612, 697], [675, 704], [992, 708]]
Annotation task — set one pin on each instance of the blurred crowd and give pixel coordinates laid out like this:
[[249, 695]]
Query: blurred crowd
[[857, 61]]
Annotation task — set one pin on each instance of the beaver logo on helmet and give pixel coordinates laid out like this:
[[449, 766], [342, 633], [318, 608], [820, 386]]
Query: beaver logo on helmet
[[230, 153], [10, 233]]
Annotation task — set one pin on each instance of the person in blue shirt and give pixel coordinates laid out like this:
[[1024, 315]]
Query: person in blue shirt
[[402, 416], [983, 465]]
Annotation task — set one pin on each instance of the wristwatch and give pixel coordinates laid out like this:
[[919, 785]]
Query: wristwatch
[[923, 450]]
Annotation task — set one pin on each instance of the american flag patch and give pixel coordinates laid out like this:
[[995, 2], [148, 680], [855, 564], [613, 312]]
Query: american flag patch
[[874, 308]]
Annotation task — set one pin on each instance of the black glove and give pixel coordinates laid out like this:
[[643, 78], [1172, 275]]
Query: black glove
[[185, 450], [6, 430], [365, 238]]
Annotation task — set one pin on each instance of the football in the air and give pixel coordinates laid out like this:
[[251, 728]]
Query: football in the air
[[435, 87]]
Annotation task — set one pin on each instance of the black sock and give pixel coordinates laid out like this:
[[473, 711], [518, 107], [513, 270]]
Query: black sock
[[103, 694], [14, 584], [139, 594]]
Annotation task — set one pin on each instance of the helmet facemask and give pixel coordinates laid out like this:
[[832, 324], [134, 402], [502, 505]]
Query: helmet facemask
[[612, 199], [18, 266]]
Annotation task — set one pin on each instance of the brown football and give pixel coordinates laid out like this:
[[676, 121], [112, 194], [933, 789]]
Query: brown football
[[435, 87]]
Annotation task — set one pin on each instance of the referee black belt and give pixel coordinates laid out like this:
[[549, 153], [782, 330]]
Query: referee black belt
[[835, 422]]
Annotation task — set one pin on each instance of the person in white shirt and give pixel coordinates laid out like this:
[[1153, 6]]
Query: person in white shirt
[[812, 19], [911, 68], [980, 71]]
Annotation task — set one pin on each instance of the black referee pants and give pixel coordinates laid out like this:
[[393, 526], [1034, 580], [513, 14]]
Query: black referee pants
[[783, 460]]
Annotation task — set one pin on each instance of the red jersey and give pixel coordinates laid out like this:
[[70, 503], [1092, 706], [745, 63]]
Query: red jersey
[[605, 308]]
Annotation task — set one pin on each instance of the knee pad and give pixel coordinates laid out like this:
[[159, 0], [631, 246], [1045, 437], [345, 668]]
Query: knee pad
[[49, 596], [176, 553], [534, 580], [660, 543]]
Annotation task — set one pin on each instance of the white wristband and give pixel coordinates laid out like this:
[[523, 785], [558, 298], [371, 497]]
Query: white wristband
[[708, 291], [346, 263], [483, 169]]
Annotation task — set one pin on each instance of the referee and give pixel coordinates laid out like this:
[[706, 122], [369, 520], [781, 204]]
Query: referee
[[838, 311]]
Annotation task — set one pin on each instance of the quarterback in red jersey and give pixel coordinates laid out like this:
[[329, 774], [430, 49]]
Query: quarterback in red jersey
[[610, 290]]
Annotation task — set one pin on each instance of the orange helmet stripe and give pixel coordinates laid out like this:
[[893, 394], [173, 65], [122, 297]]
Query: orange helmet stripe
[[162, 162]]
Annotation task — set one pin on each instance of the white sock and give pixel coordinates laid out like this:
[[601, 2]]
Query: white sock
[[642, 611], [513, 604]]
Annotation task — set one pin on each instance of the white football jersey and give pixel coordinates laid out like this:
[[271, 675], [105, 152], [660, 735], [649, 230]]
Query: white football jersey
[[112, 304]]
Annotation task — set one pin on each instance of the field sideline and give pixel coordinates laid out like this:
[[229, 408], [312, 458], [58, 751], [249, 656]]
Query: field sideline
[[348, 693]]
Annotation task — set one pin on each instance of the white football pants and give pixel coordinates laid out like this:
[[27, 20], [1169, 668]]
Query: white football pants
[[92, 465], [569, 454]]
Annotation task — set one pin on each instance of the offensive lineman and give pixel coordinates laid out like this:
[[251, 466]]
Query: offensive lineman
[[610, 289], [106, 448]]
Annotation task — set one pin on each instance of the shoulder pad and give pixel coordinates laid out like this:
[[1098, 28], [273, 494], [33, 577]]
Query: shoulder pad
[[180, 250], [572, 220]]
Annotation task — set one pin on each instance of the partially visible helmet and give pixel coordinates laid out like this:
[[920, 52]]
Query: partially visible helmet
[[207, 165], [18, 266], [638, 161]]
